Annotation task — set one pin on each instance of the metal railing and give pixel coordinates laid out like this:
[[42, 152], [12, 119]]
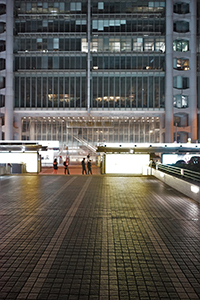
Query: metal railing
[[186, 174]]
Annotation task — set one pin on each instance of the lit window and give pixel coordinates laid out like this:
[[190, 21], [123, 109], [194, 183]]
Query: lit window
[[84, 45], [180, 101], [100, 5], [181, 45], [138, 44], [181, 64], [75, 6], [56, 43]]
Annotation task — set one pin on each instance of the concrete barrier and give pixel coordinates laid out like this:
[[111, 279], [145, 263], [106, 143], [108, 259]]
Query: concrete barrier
[[189, 189]]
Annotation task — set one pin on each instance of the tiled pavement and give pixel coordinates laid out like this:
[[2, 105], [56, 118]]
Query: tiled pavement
[[97, 237]]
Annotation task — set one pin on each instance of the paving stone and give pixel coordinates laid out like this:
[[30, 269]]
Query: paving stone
[[97, 237]]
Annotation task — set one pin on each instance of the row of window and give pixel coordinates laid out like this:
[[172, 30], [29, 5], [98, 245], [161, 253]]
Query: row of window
[[65, 131], [80, 25], [98, 62], [99, 7], [119, 92], [97, 44]]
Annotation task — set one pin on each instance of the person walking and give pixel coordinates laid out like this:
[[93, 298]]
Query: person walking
[[55, 166], [89, 167], [83, 166]]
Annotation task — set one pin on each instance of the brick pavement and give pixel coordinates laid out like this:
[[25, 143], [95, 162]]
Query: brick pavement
[[97, 237]]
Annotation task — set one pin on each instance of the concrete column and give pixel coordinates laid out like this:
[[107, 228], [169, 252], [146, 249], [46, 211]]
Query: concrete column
[[18, 125], [169, 115], [9, 94], [88, 56], [0, 128], [193, 72], [32, 131]]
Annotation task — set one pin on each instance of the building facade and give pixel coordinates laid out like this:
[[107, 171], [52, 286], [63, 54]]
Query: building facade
[[86, 72]]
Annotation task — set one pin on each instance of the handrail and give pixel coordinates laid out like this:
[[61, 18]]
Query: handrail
[[180, 172]]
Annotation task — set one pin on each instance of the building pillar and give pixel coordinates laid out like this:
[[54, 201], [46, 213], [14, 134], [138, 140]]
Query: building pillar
[[88, 56], [0, 128], [32, 131], [9, 94], [169, 115], [193, 72], [17, 127]]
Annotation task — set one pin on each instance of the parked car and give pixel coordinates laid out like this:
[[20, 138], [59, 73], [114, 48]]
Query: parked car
[[194, 160], [180, 162]]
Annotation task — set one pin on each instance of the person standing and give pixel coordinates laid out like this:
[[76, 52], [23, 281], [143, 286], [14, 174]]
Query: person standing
[[89, 167], [66, 165], [66, 168], [55, 166], [83, 166]]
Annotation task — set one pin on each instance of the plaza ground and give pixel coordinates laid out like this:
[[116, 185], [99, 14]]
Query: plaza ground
[[97, 237]]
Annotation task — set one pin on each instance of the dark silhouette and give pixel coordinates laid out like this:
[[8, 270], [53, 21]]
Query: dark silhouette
[[89, 165], [83, 166], [66, 165], [55, 166]]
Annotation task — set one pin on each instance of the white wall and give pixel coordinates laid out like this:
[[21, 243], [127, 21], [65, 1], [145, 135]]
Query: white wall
[[29, 158], [188, 189], [127, 163]]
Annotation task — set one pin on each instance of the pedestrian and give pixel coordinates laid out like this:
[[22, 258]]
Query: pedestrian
[[89, 166], [83, 166], [55, 166], [66, 165]]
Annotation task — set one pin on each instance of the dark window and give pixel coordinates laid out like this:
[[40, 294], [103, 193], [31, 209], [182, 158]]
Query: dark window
[[181, 8]]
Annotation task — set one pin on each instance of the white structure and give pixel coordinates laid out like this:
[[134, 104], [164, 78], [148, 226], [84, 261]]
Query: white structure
[[108, 73]]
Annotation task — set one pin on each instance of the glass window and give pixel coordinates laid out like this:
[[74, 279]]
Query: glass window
[[148, 44], [180, 101], [181, 45], [181, 64], [114, 45], [100, 5], [125, 44], [180, 82], [55, 43], [181, 26], [138, 44], [75, 6], [181, 8], [84, 45], [160, 45]]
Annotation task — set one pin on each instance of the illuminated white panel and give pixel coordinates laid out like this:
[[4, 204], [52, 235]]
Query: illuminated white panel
[[126, 163], [195, 189], [30, 159]]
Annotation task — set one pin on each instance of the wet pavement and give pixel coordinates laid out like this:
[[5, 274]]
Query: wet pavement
[[97, 237]]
